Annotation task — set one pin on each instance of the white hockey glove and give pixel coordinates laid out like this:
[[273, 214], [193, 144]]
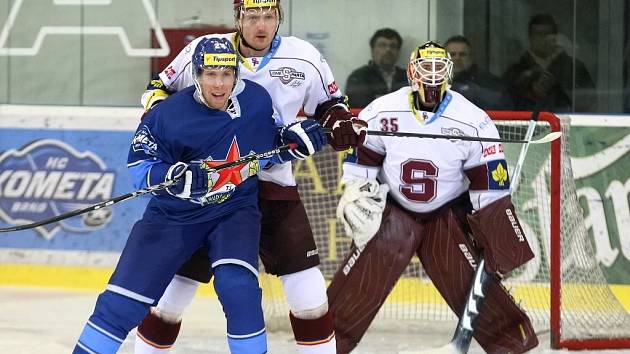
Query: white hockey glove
[[360, 209]]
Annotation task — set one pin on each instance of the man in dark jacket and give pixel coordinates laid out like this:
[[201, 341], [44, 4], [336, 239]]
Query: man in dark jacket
[[546, 77], [381, 75], [479, 86]]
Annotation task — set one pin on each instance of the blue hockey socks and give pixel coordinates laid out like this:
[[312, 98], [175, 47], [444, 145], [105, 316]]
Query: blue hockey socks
[[240, 295], [114, 316]]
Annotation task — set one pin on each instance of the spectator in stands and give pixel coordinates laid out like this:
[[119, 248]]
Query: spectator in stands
[[381, 75], [546, 77], [476, 84]]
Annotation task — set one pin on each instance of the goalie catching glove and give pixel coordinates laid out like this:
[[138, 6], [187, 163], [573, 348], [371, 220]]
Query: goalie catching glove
[[360, 209], [346, 130]]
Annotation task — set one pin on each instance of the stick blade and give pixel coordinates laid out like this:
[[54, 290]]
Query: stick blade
[[446, 349], [547, 138]]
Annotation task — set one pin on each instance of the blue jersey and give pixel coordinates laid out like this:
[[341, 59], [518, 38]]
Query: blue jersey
[[181, 129]]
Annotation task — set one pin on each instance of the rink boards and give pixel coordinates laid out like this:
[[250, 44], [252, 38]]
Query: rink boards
[[86, 148]]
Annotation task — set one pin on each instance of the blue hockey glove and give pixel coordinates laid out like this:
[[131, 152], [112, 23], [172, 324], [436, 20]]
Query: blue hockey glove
[[192, 183], [307, 134]]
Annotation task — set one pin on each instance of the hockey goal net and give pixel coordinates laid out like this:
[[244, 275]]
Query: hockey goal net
[[563, 289]]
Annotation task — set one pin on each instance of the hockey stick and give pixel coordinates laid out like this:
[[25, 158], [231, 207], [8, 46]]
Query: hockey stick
[[545, 139], [462, 338], [157, 187]]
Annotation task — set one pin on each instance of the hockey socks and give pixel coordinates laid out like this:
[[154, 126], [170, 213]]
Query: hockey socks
[[155, 335], [240, 295], [315, 336], [114, 316]]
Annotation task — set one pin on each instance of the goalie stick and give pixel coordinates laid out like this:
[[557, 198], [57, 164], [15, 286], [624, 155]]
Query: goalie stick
[[460, 343], [157, 187], [545, 139]]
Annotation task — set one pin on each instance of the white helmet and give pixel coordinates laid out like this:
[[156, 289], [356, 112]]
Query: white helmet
[[429, 72]]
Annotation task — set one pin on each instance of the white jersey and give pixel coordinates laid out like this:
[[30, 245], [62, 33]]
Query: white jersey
[[294, 73], [424, 174]]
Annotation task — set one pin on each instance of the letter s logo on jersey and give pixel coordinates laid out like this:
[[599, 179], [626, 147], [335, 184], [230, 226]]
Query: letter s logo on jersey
[[47, 178]]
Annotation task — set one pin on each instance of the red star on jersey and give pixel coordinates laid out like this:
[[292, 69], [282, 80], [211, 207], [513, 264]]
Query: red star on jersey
[[230, 174]]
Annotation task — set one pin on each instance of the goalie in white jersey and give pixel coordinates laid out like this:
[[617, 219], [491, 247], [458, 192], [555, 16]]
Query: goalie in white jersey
[[297, 77], [448, 200]]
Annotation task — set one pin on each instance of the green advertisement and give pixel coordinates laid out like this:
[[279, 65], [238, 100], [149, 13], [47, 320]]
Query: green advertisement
[[601, 169]]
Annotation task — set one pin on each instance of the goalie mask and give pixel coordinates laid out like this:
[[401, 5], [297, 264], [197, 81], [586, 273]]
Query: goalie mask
[[214, 53], [429, 73]]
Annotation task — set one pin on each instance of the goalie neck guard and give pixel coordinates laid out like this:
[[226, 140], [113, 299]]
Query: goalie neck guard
[[429, 73]]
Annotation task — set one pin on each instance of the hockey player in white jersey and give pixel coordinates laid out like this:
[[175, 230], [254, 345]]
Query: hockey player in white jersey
[[297, 77], [442, 200]]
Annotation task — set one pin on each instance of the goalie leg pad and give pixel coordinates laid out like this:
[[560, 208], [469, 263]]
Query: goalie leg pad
[[449, 258], [500, 235], [368, 274]]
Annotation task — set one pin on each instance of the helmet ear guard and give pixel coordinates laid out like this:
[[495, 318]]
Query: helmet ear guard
[[429, 72]]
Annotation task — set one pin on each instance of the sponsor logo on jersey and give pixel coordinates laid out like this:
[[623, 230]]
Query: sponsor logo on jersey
[[312, 253], [332, 88], [223, 183], [517, 229], [286, 74], [169, 72], [144, 141], [491, 150], [47, 178], [498, 175], [484, 123], [452, 131]]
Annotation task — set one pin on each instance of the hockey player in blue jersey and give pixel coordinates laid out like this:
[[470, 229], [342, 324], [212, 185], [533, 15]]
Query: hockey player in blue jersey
[[219, 119]]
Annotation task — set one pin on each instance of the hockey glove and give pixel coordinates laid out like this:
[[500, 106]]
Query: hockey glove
[[346, 130], [360, 209], [192, 180], [307, 134]]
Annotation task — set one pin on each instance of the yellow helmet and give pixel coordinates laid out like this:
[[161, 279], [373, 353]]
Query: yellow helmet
[[429, 72]]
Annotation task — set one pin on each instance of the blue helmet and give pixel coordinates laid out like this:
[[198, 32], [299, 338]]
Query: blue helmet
[[214, 53]]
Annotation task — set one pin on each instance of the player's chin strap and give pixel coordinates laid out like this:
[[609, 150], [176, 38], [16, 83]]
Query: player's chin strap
[[460, 343], [154, 188]]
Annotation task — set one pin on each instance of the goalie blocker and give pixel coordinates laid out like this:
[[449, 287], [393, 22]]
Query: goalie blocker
[[441, 240]]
